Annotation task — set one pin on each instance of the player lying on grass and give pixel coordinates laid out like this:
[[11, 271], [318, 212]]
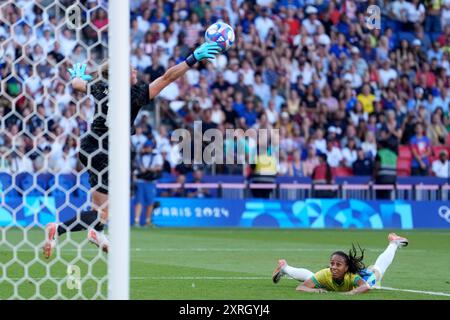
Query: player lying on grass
[[94, 146], [347, 272]]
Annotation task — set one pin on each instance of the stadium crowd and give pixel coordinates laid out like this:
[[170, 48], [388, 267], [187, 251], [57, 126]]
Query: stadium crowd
[[311, 69]]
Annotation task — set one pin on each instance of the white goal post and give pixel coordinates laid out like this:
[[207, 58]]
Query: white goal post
[[119, 154]]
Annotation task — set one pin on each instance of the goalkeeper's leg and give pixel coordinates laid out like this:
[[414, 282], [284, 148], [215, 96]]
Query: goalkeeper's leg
[[98, 178], [95, 235], [87, 219]]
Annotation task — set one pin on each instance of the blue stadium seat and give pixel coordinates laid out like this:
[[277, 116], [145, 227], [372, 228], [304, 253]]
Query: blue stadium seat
[[43, 180], [24, 181], [224, 178], [167, 178], [66, 181], [84, 180], [421, 179], [5, 181], [354, 179]]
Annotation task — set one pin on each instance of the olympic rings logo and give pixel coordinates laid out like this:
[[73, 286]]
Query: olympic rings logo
[[444, 213]]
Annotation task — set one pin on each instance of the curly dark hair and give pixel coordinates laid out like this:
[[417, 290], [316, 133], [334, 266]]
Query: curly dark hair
[[352, 259]]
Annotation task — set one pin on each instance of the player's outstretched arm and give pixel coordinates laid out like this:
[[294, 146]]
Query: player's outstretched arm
[[79, 77], [206, 51], [361, 288], [309, 286]]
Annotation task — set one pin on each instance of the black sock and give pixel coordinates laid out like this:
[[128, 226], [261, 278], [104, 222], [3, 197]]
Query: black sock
[[87, 219]]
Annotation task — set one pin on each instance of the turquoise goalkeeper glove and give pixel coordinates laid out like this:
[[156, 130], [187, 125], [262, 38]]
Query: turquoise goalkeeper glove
[[78, 71], [206, 51]]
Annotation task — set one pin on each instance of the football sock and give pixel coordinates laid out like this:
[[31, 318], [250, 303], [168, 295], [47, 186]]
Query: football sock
[[300, 274], [87, 219], [385, 259]]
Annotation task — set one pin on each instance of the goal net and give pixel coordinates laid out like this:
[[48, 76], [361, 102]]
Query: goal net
[[42, 122]]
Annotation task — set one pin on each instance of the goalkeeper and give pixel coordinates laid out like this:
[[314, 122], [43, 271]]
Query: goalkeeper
[[94, 146]]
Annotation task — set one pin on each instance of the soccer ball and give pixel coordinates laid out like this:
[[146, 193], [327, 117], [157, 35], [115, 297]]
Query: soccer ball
[[220, 33]]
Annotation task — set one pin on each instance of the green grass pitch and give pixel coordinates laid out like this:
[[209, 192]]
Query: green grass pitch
[[222, 263]]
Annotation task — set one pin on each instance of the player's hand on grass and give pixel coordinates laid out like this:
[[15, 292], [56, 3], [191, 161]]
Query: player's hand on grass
[[79, 71], [321, 291], [207, 50]]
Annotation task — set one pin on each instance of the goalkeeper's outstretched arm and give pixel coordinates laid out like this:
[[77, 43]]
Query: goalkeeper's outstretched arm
[[171, 75], [205, 51], [154, 88]]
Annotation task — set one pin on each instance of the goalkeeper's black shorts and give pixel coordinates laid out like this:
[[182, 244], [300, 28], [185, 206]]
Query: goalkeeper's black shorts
[[95, 159]]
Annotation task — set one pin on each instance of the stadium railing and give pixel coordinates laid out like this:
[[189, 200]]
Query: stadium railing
[[237, 187]]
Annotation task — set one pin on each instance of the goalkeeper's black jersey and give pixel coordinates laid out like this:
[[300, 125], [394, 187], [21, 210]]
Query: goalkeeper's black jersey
[[139, 97]]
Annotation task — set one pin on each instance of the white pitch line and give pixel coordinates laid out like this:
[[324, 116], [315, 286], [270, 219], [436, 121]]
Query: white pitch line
[[200, 278], [417, 291]]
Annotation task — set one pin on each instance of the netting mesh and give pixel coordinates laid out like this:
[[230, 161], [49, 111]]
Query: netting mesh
[[42, 123]]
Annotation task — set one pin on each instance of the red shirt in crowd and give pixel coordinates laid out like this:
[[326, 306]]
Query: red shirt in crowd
[[427, 77], [320, 173]]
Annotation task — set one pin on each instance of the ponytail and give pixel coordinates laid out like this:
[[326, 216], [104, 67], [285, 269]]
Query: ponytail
[[354, 261]]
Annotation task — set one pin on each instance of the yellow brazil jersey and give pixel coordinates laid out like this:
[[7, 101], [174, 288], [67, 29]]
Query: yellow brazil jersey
[[322, 279], [265, 165], [367, 102]]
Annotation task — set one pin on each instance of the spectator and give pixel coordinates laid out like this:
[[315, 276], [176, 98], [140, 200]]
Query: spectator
[[198, 192], [322, 174], [392, 129], [385, 169], [340, 49], [138, 139], [263, 24], [43, 163], [353, 77], [319, 141], [140, 61], [311, 23], [67, 42], [67, 122], [445, 17], [179, 191], [5, 164], [330, 101], [369, 146], [310, 162], [386, 73], [65, 162], [334, 155], [363, 166], [350, 134], [437, 132], [433, 20], [358, 114], [366, 98], [20, 162], [148, 169], [296, 165], [421, 150], [283, 166], [264, 170], [440, 167], [262, 90], [349, 153]]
